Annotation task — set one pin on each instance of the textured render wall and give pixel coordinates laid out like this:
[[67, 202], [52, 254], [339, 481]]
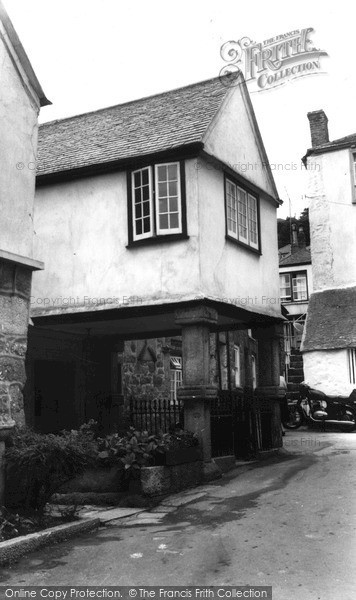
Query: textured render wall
[[86, 253], [332, 220], [18, 134], [15, 287], [327, 370], [228, 270]]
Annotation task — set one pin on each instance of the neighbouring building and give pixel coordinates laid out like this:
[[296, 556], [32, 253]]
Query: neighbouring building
[[296, 285], [21, 97], [329, 341], [161, 253]]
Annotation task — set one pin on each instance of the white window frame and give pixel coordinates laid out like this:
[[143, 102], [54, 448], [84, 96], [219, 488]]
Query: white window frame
[[244, 205], [161, 230], [147, 234], [299, 278], [285, 298], [351, 356], [353, 171], [254, 371], [176, 376], [237, 366]]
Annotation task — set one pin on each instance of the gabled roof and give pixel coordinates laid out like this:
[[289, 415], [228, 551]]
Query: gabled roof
[[299, 256], [331, 320], [142, 127], [22, 56]]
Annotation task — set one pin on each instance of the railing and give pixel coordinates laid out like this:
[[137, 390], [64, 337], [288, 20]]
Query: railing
[[155, 415]]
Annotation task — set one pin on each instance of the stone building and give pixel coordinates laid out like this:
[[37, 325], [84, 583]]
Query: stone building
[[21, 97], [329, 341]]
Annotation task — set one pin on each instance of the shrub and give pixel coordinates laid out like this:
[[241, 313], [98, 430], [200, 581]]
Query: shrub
[[12, 525], [37, 464]]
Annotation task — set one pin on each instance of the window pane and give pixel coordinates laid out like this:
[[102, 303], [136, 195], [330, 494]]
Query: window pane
[[285, 289], [172, 172], [162, 190], [162, 173], [137, 179], [172, 188], [144, 177], [299, 287], [163, 221], [146, 224], [139, 227], [138, 211], [173, 204], [163, 205], [145, 192], [146, 209], [137, 195], [174, 222]]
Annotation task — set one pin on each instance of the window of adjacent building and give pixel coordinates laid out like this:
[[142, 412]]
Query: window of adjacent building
[[351, 355], [254, 371], [237, 372], [354, 177], [241, 215], [156, 201], [176, 376], [293, 286]]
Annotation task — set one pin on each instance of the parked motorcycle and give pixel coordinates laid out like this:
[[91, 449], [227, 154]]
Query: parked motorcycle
[[313, 406]]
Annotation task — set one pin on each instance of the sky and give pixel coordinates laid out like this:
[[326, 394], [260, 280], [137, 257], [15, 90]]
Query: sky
[[89, 54]]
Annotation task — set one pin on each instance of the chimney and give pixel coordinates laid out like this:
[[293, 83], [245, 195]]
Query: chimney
[[319, 132], [294, 244], [301, 237]]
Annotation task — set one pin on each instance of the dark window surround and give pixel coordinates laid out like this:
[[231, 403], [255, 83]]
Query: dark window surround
[[183, 235], [253, 193], [291, 273]]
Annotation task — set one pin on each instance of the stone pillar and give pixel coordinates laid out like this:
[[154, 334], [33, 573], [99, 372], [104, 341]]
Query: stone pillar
[[268, 391], [197, 391], [15, 289]]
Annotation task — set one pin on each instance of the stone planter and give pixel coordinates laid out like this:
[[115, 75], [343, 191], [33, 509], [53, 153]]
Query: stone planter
[[182, 456], [157, 481]]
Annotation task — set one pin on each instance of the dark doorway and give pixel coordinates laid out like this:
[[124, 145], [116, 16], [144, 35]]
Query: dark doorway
[[54, 395]]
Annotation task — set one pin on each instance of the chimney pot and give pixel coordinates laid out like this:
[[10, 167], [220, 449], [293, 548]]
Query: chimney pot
[[319, 131]]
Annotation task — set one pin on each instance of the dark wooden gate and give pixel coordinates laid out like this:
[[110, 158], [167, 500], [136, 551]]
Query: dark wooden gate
[[233, 424]]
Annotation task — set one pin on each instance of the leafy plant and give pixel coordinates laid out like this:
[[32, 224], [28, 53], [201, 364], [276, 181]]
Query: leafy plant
[[37, 464], [12, 525]]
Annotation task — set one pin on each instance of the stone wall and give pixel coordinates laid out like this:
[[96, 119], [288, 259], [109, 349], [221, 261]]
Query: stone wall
[[146, 367], [15, 289]]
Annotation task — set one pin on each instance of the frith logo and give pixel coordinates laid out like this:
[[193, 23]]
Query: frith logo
[[271, 63]]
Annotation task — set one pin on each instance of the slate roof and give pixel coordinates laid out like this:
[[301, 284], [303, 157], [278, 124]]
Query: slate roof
[[331, 320], [339, 144], [300, 256], [158, 123]]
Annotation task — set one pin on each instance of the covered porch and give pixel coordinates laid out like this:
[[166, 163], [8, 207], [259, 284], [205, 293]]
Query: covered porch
[[75, 368]]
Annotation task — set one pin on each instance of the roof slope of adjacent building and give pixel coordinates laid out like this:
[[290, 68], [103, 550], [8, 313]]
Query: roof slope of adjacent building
[[299, 256], [331, 322], [339, 144], [142, 127]]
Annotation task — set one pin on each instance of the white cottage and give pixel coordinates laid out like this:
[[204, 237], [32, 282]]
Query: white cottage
[[329, 343], [156, 217]]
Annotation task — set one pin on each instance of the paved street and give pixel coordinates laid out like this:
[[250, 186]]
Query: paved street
[[289, 522]]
